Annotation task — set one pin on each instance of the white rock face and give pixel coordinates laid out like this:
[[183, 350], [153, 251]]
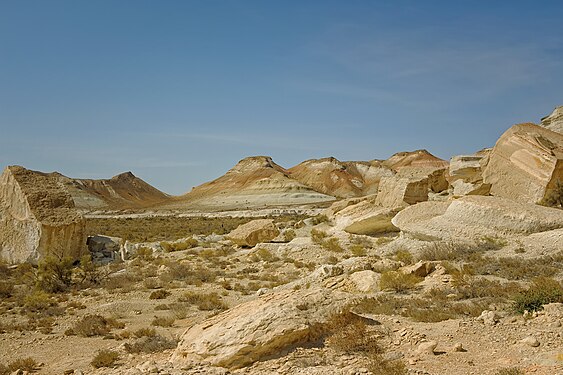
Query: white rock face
[[525, 164], [401, 191], [365, 281], [37, 218], [254, 232], [476, 216], [465, 174], [272, 324], [365, 218], [554, 121]]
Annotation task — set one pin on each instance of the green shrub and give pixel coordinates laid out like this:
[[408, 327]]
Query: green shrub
[[145, 253], [318, 236], [398, 281], [105, 358], [358, 250], [38, 301], [542, 291], [289, 235], [54, 274], [204, 301], [25, 364]]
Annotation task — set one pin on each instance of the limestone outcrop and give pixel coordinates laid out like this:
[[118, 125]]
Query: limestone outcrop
[[554, 121], [254, 232], [37, 217], [473, 217], [526, 163], [270, 325], [465, 174], [398, 191], [366, 218]]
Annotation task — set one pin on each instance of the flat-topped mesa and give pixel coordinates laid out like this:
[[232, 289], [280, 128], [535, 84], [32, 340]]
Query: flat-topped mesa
[[37, 217], [554, 121], [526, 163]]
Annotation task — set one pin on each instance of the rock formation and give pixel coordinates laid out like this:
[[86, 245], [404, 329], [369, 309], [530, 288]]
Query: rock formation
[[525, 164], [473, 217], [465, 174], [340, 179], [37, 217], [254, 232], [366, 218], [554, 121], [254, 182], [124, 191], [270, 325]]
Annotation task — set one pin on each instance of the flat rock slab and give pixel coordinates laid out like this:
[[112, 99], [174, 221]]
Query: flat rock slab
[[265, 327]]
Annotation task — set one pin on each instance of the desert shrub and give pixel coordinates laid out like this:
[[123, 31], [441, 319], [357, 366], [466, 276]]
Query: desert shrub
[[265, 255], [25, 364], [332, 244], [398, 281], [38, 301], [449, 251], [358, 250], [404, 256], [289, 235], [204, 301], [144, 253], [318, 236], [163, 321], [151, 344], [159, 294], [482, 288], [124, 282], [517, 268], [6, 289], [145, 332], [489, 243], [105, 358], [542, 291], [184, 244], [54, 274], [510, 371], [94, 325], [350, 334]]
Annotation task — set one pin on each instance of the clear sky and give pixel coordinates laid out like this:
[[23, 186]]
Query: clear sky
[[179, 91]]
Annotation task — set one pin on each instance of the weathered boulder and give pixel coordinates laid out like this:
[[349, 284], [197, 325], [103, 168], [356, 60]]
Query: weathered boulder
[[365, 218], [254, 232], [461, 188], [105, 248], [366, 281], [467, 167], [398, 191], [270, 325], [473, 217], [37, 218], [554, 121], [525, 164]]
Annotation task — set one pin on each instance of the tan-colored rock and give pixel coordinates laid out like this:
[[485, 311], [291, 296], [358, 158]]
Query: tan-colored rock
[[267, 326], [525, 164], [427, 347], [254, 232], [467, 167], [420, 269], [37, 218], [401, 191], [554, 121], [462, 188], [365, 281], [473, 217], [365, 218]]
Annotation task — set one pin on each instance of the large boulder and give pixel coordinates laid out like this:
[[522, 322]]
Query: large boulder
[[465, 174], [473, 217], [254, 232], [526, 164], [37, 218], [399, 191], [554, 121], [274, 323], [365, 218]]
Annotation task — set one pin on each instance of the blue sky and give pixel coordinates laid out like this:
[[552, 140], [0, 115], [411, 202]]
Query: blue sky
[[179, 91]]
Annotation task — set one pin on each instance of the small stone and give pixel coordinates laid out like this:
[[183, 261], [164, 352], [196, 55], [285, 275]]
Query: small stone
[[458, 347], [530, 341], [427, 347]]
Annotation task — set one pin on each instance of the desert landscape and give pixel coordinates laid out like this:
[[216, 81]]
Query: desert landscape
[[408, 265]]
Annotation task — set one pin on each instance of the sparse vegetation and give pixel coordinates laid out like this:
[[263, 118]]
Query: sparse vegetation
[[542, 291], [204, 301], [94, 325], [404, 256], [163, 321], [105, 358], [398, 281], [510, 371], [150, 344], [159, 294], [184, 244]]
